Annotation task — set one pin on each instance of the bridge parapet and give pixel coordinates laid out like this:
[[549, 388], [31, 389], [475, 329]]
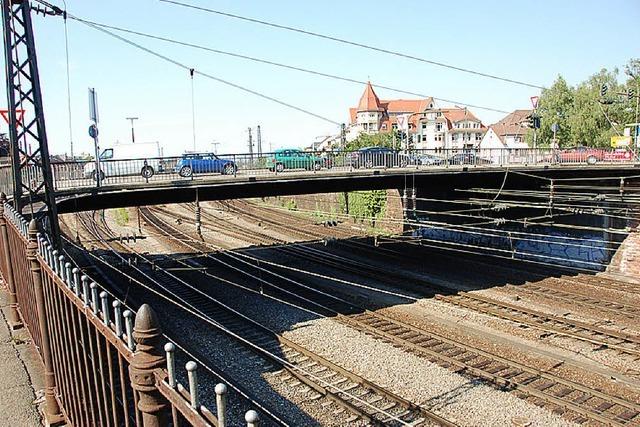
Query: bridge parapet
[[152, 171], [87, 353]]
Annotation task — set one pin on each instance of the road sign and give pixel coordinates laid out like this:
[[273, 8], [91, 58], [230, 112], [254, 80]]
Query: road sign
[[555, 127], [93, 131], [620, 141], [93, 105], [19, 115], [403, 122], [534, 102]]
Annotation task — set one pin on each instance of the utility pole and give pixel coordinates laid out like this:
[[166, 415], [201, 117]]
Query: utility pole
[[343, 135], [133, 134], [259, 138], [250, 145]]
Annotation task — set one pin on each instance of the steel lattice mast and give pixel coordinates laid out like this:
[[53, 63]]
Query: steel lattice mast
[[32, 175]]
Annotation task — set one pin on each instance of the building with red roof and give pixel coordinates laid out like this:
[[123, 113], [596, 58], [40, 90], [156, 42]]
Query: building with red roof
[[429, 127]]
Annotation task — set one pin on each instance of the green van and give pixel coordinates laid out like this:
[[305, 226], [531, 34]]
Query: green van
[[293, 158]]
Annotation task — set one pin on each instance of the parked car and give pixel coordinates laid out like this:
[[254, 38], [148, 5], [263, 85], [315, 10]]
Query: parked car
[[592, 156], [467, 158], [293, 158], [370, 157], [204, 163], [142, 158], [428, 160]]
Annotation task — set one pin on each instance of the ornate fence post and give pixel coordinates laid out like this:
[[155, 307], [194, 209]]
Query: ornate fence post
[[52, 410], [14, 317], [147, 358]]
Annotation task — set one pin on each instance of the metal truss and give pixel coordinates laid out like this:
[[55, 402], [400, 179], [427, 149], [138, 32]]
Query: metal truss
[[32, 176]]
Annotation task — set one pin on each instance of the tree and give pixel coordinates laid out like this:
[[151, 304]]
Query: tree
[[371, 140], [555, 106], [582, 116]]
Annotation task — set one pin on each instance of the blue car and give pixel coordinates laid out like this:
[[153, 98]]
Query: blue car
[[204, 163]]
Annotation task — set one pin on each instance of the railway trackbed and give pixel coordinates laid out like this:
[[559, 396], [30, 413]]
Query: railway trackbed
[[365, 400], [605, 338], [614, 308], [546, 389], [581, 331]]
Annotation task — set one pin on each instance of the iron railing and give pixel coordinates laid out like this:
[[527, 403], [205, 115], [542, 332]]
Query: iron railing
[[104, 365], [167, 170]]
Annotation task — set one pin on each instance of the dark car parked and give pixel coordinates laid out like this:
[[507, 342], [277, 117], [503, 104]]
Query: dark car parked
[[370, 157], [204, 163], [467, 159]]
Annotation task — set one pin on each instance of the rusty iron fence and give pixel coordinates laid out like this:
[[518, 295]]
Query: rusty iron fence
[[104, 364]]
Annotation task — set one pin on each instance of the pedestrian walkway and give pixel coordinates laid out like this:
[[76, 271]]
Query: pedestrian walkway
[[21, 375]]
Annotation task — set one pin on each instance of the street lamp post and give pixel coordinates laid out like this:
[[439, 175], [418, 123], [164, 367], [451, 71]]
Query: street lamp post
[[133, 135], [215, 144]]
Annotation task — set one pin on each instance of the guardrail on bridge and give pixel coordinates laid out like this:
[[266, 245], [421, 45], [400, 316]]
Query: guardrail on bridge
[[103, 366], [150, 170]]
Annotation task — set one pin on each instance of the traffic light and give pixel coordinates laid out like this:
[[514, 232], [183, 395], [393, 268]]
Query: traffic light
[[630, 93], [603, 91], [530, 121], [533, 121]]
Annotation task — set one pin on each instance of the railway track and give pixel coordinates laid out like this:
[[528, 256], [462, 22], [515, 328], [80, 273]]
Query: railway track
[[604, 338], [581, 331], [571, 298], [238, 394], [603, 283], [585, 403], [364, 399]]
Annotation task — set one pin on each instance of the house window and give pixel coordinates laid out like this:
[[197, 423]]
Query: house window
[[439, 138], [364, 126], [424, 138], [438, 127], [384, 126], [424, 126], [439, 114], [394, 126]]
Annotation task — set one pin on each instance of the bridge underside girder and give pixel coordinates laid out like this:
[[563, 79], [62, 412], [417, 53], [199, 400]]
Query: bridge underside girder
[[434, 182]]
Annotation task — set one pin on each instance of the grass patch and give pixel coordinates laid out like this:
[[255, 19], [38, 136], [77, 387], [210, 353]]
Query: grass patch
[[122, 216]]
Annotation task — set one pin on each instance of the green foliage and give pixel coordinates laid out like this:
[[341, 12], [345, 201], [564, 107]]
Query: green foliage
[[122, 216], [290, 204], [364, 205], [368, 140], [582, 117]]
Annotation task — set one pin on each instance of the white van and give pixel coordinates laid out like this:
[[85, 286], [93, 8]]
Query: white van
[[128, 159]]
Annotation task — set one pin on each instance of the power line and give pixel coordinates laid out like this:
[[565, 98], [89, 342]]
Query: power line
[[281, 65], [201, 73], [352, 43]]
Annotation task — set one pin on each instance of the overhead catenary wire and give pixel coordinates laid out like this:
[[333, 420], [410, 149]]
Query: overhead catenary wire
[[202, 73], [286, 66], [352, 43]]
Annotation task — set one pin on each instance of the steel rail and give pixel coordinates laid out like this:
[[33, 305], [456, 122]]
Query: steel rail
[[522, 380], [332, 391]]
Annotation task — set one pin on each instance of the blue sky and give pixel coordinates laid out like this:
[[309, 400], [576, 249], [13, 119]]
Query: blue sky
[[527, 41]]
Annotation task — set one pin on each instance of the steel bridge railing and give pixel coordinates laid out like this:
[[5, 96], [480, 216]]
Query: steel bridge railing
[[103, 366], [163, 170]]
